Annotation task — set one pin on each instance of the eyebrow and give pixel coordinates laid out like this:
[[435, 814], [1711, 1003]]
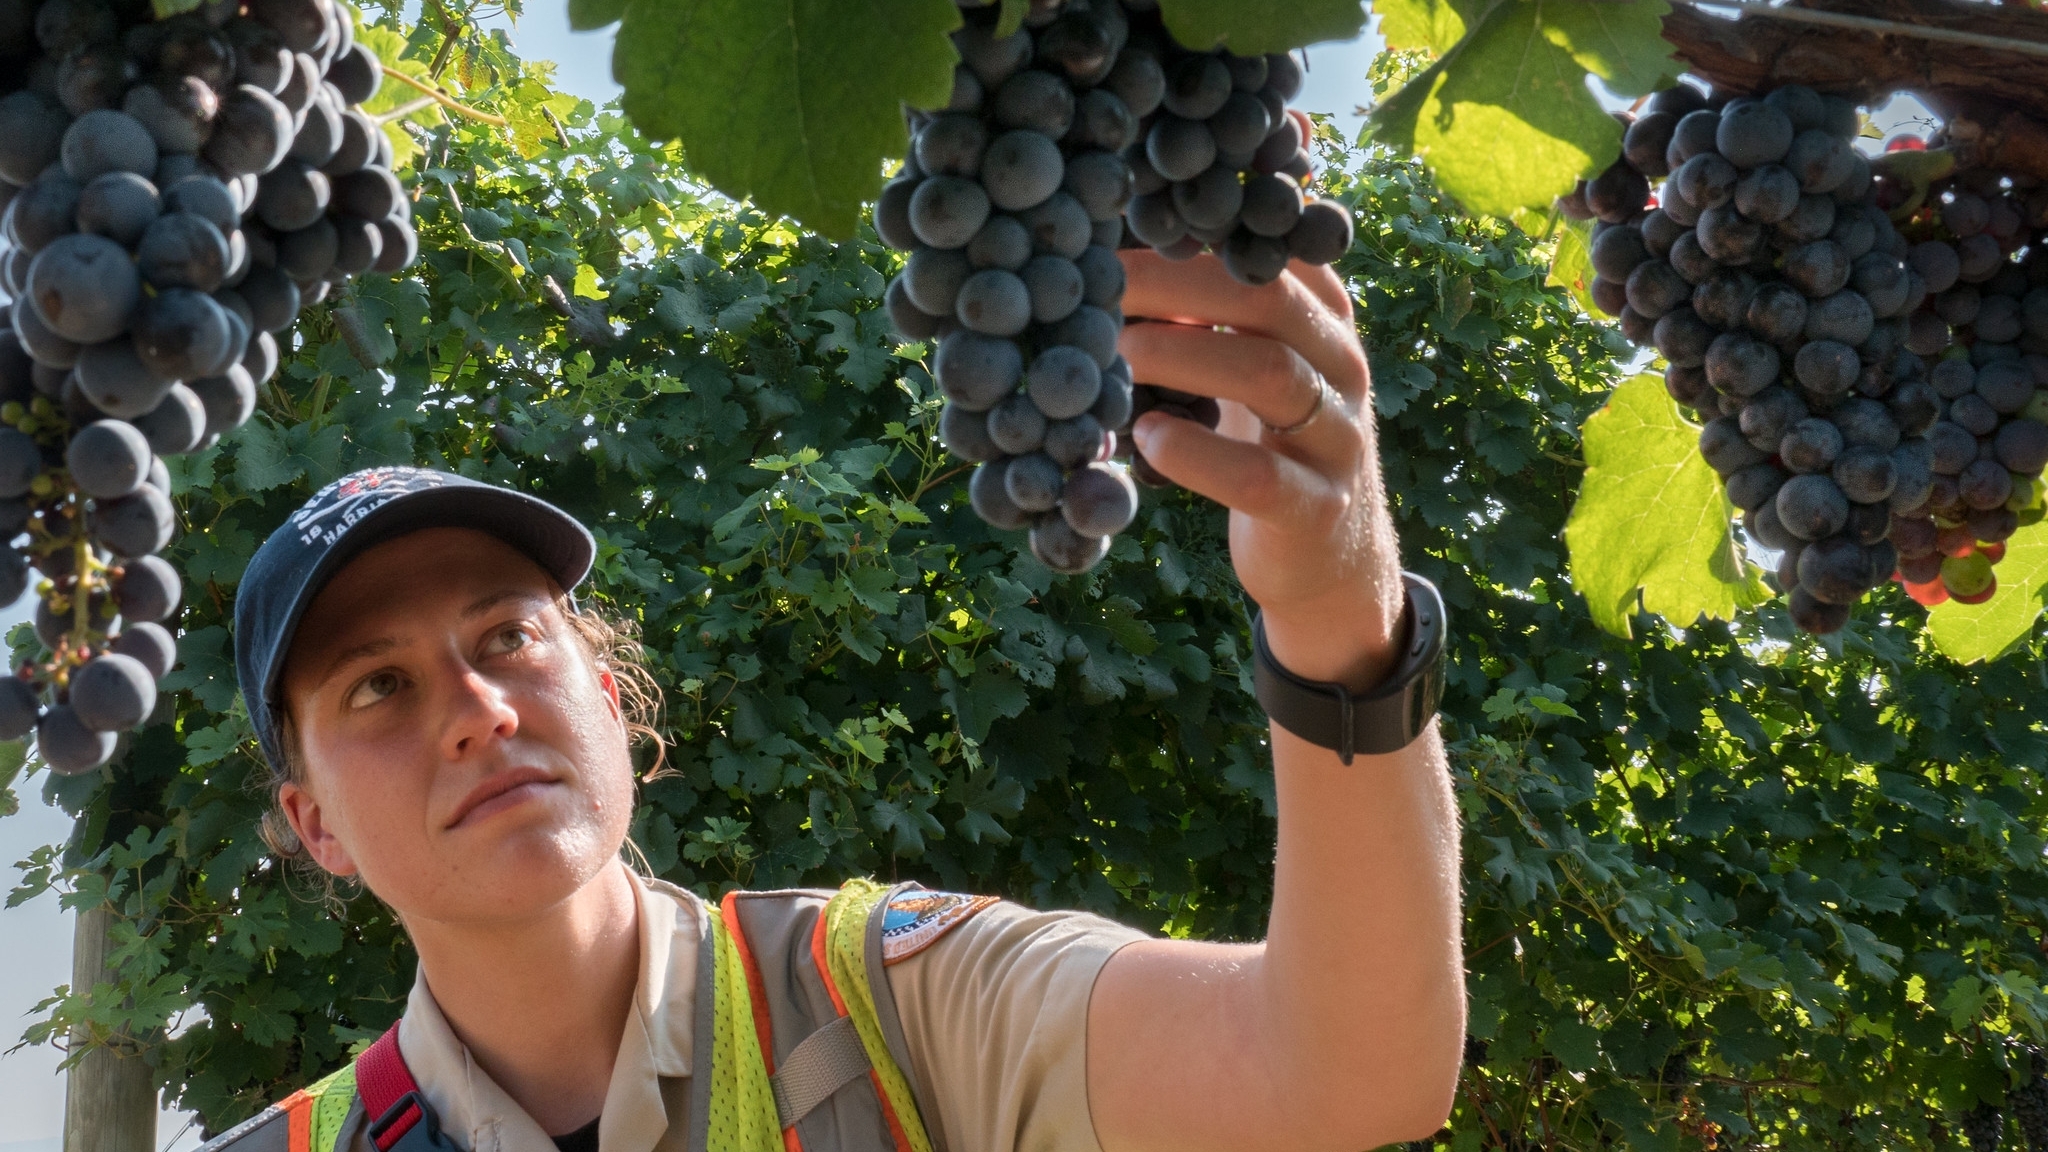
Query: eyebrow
[[384, 644]]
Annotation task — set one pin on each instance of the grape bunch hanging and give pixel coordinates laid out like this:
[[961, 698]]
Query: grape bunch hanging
[[1984, 327], [1012, 204], [1781, 298], [174, 192]]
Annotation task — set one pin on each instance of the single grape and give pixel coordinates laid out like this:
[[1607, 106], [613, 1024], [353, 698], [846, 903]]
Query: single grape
[[1979, 258], [84, 288], [401, 246], [1035, 101], [1866, 422], [1769, 415], [1811, 507], [1751, 487], [1054, 285], [1323, 234], [371, 194], [134, 525], [1741, 366], [1965, 214], [148, 590], [1998, 320], [1072, 443], [103, 141], [1090, 329], [1818, 269], [1646, 140], [1284, 142], [1836, 570], [2022, 446], [945, 211], [251, 133], [1114, 409], [44, 211], [1928, 334], [21, 461], [1210, 200], [1660, 232], [1683, 338], [180, 333], [1102, 276], [68, 745], [1137, 80], [1034, 482], [1016, 426], [108, 459], [1730, 239], [176, 425], [1099, 500], [1059, 226], [114, 377], [952, 145], [1154, 220], [1254, 259], [1753, 134], [1056, 545], [31, 135], [118, 206], [1865, 475], [1655, 288], [1003, 242], [1777, 313], [965, 434], [1974, 415], [1984, 484], [1240, 127], [319, 134], [1616, 252], [988, 491], [1723, 299], [1180, 149], [1915, 407], [1101, 182], [977, 371], [1843, 317], [18, 703], [933, 277], [2005, 385], [112, 692], [51, 352], [181, 250], [228, 398], [1811, 221], [1811, 445], [1688, 386], [993, 59], [1937, 263], [1064, 382], [1767, 194], [1822, 162], [1197, 87], [1706, 181], [1618, 193], [1764, 527]]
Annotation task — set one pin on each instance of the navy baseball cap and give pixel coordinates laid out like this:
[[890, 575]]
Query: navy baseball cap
[[354, 514]]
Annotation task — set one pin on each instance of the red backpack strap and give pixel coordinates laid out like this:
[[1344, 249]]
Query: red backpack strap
[[391, 1097]]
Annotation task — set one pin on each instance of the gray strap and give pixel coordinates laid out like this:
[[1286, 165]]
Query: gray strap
[[822, 1064]]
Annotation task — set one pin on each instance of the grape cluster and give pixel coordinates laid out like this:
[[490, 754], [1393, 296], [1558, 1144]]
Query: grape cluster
[[1984, 1127], [1780, 297], [1984, 326], [175, 191], [1015, 197], [2029, 1102], [1218, 163]]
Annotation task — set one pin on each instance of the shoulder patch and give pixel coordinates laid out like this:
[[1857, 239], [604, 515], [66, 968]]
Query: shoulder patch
[[914, 921]]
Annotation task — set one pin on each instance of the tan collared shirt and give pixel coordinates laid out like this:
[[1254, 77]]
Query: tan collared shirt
[[995, 1015]]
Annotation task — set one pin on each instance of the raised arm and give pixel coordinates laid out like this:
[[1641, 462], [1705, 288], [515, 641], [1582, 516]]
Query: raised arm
[[1343, 1030]]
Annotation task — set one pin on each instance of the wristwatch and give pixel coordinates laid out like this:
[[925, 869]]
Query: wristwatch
[[1386, 719]]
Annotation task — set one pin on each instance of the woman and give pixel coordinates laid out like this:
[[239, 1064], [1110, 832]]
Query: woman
[[449, 730]]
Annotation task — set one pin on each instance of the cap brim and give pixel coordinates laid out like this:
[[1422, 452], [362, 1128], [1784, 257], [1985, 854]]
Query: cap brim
[[553, 539]]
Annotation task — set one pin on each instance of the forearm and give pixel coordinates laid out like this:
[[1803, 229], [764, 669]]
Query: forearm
[[1362, 971]]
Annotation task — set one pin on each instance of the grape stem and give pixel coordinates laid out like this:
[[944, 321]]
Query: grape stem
[[445, 100], [1874, 25]]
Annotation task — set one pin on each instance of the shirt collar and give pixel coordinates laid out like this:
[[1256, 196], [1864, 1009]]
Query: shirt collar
[[656, 1044]]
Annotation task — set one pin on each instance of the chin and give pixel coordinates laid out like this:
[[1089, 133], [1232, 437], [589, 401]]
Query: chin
[[519, 873]]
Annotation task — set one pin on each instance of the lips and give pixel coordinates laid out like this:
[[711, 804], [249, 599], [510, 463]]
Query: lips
[[499, 785]]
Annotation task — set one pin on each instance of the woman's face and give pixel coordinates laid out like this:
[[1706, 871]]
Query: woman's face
[[462, 752]]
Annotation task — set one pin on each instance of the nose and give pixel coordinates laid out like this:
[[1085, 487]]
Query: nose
[[478, 711]]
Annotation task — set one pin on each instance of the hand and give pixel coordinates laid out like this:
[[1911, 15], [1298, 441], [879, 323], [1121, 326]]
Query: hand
[[1309, 531]]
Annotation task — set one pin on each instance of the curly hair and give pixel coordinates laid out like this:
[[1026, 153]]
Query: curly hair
[[613, 644]]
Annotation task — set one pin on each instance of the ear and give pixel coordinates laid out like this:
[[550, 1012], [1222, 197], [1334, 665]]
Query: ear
[[609, 681], [310, 825]]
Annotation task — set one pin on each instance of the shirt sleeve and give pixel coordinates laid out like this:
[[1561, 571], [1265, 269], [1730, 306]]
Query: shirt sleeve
[[995, 1013]]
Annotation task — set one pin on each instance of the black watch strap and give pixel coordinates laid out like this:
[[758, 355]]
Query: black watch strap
[[1386, 719]]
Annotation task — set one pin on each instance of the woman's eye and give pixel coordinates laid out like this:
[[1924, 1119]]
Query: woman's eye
[[508, 640], [372, 688]]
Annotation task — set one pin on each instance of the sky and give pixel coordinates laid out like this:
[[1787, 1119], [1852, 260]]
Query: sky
[[35, 939]]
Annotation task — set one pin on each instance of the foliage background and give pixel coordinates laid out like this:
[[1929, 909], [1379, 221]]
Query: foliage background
[[1727, 886]]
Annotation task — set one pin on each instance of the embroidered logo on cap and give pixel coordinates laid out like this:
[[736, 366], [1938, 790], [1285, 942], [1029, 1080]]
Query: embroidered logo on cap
[[914, 921], [335, 509]]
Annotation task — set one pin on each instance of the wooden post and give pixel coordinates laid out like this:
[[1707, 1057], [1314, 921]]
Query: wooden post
[[110, 1095]]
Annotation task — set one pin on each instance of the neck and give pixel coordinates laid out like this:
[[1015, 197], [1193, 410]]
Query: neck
[[541, 1003]]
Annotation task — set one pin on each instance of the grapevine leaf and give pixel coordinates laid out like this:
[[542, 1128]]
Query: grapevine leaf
[[1571, 268], [1652, 519], [1012, 17], [1248, 26], [1968, 633], [165, 9], [1436, 25], [810, 92], [590, 15], [1504, 117]]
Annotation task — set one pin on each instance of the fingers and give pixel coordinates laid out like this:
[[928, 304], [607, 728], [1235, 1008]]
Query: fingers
[[1245, 477], [1262, 374], [1201, 292]]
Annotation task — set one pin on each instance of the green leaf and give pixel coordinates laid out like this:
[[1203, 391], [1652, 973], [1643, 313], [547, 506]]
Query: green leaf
[[1252, 26], [590, 15], [1968, 633], [1504, 118], [165, 9], [1651, 518], [1572, 267], [1433, 25], [810, 93]]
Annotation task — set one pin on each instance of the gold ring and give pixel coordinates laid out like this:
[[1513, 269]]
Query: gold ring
[[1323, 391]]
